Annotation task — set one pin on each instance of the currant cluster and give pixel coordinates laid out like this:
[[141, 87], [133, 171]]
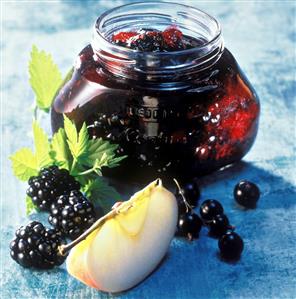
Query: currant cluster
[[36, 246], [148, 152], [189, 223], [230, 243], [213, 217]]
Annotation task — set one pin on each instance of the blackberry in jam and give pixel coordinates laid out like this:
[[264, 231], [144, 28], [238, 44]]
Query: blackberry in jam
[[165, 89]]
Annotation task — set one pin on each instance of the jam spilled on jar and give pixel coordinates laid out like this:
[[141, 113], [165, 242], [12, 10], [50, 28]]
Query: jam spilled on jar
[[152, 40], [209, 123]]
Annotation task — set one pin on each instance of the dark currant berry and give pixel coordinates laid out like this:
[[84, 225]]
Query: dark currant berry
[[210, 208], [50, 183], [72, 214], [182, 208], [246, 194], [189, 225], [191, 193], [35, 246], [231, 246], [219, 225]]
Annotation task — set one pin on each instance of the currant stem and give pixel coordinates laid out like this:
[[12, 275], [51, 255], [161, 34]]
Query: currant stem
[[188, 206]]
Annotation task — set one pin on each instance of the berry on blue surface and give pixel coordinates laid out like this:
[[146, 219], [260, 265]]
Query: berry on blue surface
[[36, 246], [189, 225], [246, 194], [210, 208], [231, 246]]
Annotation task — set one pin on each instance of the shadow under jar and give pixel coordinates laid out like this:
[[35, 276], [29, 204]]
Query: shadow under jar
[[183, 111]]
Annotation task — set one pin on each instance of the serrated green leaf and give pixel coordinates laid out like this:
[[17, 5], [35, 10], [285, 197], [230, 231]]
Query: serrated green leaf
[[101, 193], [24, 164], [45, 78], [78, 143], [42, 146], [70, 130], [30, 207], [114, 162], [83, 139], [60, 149], [99, 149]]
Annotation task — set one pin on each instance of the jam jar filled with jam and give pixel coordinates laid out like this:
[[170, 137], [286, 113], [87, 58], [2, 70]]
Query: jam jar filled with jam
[[157, 80]]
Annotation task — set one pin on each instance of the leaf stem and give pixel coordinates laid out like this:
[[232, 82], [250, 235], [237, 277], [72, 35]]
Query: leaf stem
[[87, 171], [35, 112], [73, 166]]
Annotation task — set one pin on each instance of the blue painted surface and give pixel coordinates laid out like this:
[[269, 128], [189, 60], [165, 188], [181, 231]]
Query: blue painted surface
[[262, 37]]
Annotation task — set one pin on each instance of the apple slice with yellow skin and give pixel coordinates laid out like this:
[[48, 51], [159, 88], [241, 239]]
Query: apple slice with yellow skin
[[129, 243]]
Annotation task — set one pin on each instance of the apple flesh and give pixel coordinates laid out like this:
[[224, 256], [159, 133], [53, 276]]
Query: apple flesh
[[130, 245]]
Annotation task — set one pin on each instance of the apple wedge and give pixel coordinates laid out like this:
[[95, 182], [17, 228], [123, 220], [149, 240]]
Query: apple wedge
[[126, 245]]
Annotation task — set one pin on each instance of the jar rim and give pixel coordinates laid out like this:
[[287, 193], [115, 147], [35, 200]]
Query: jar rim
[[124, 50]]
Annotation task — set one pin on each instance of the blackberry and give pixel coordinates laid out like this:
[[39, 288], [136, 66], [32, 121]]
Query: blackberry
[[36, 246], [50, 183], [72, 214]]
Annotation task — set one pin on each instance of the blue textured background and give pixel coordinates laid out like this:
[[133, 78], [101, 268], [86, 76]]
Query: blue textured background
[[262, 37]]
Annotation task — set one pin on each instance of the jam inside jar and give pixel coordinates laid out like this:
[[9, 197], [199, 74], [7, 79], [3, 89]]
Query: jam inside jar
[[163, 87]]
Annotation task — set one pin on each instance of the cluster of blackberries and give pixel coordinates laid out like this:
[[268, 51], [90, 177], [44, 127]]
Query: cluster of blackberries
[[48, 185], [72, 214], [54, 190], [35, 246]]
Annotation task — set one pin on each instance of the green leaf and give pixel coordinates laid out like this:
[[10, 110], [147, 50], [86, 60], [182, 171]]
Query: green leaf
[[114, 162], [78, 143], [45, 78], [70, 130], [24, 164], [100, 150], [30, 207], [42, 146], [100, 193], [83, 139], [60, 149]]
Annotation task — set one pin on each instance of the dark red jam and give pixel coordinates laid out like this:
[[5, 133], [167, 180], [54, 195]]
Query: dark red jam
[[151, 40], [178, 129]]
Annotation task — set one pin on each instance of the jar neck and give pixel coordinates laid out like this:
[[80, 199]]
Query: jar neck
[[157, 67]]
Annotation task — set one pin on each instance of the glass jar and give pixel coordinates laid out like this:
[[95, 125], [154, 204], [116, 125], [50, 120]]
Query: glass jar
[[186, 113]]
